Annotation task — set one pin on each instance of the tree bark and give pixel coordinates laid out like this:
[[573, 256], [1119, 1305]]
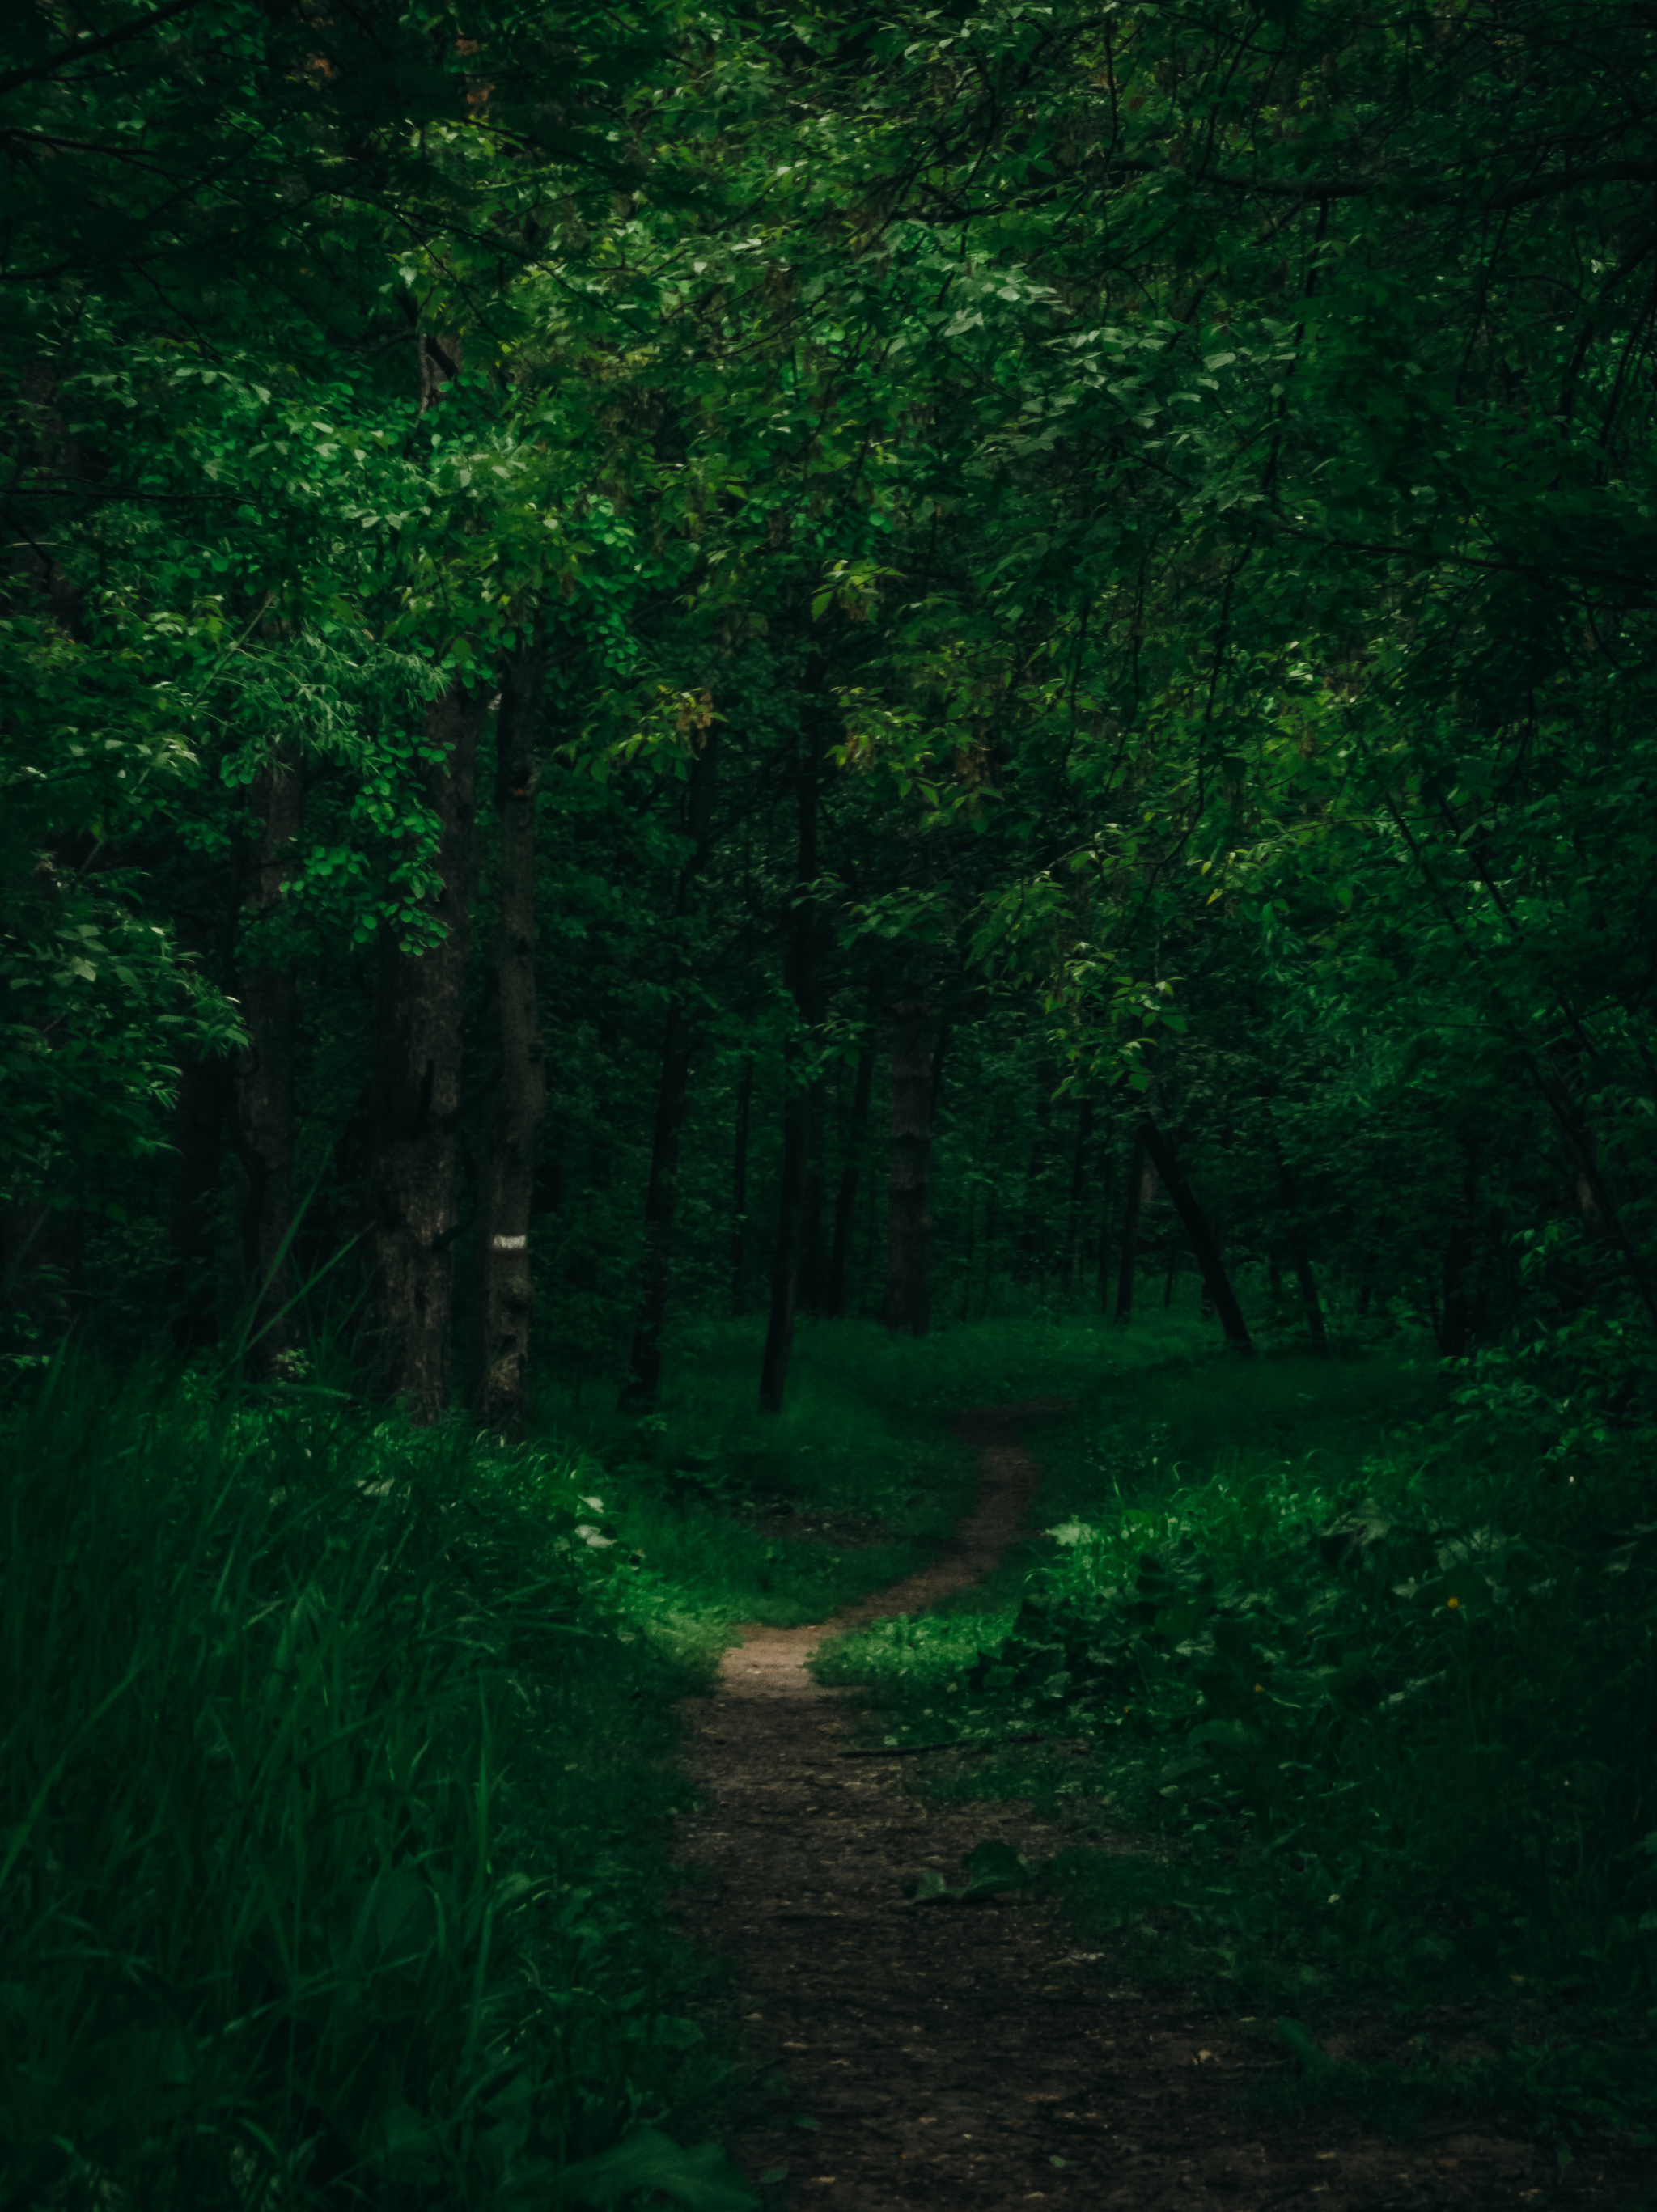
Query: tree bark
[[643, 1381], [907, 1310], [1032, 1244], [739, 1185], [508, 1177], [1204, 1243], [797, 1105], [1104, 1230], [415, 1189], [1453, 1330], [1127, 1268], [265, 1086], [199, 1116], [851, 1175], [814, 1257], [1078, 1175]]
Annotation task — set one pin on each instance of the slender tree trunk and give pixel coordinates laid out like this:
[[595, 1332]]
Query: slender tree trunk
[[1300, 1258], [1032, 1243], [798, 1104], [1204, 1243], [1311, 1304], [418, 1036], [1453, 1330], [643, 1380], [814, 1257], [1139, 1174], [508, 1177], [739, 1184], [785, 1253], [1171, 1275], [199, 1116], [908, 1308], [43, 1264], [265, 1084], [1103, 1284], [1078, 1176], [851, 1175]]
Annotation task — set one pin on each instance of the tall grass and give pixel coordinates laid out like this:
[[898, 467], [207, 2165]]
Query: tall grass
[[332, 1784]]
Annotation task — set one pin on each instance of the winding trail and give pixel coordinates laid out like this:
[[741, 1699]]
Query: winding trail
[[968, 2057]]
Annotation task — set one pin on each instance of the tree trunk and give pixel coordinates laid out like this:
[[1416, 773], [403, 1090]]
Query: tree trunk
[[643, 1380], [1078, 1176], [785, 1265], [414, 1215], [1453, 1333], [1103, 1285], [814, 1258], [43, 1264], [1300, 1258], [851, 1175], [199, 1116], [1139, 1172], [1204, 1243], [739, 1185], [907, 1308], [1032, 1244], [796, 1113], [508, 1178], [266, 1093]]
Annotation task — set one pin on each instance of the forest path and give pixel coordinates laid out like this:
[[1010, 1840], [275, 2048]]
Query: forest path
[[967, 2056]]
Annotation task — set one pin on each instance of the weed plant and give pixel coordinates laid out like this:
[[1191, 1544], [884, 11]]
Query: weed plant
[[1371, 1680], [335, 1778]]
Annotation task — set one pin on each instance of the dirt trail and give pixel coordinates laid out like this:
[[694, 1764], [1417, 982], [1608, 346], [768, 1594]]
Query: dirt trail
[[967, 2056]]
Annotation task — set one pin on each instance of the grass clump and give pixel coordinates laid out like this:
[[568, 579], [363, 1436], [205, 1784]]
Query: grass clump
[[334, 1775], [1373, 1686]]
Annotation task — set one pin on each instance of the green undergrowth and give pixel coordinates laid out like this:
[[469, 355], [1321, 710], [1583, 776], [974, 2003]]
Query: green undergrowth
[[335, 1769], [1341, 1690], [739, 1516]]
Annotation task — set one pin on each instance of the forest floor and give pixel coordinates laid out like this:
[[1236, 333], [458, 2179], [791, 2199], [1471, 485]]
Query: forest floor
[[968, 2054]]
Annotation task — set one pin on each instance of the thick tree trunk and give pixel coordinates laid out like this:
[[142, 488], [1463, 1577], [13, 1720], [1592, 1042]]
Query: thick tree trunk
[[643, 1381], [907, 1310], [851, 1175], [265, 1086], [1200, 1234], [508, 1176], [199, 1116], [1127, 1269], [796, 1113], [739, 1185], [415, 1210]]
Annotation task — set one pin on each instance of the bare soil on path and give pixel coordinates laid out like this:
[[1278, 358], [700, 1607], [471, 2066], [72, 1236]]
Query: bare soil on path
[[967, 2056]]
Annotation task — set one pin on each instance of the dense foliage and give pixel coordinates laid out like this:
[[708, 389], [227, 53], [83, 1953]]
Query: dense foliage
[[668, 669]]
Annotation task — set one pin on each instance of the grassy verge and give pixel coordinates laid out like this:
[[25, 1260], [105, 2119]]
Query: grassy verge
[[337, 1762], [1374, 1688], [334, 1780]]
